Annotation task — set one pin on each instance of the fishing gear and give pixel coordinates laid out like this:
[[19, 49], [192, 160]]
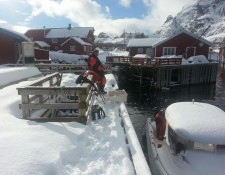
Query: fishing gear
[[82, 79], [97, 112]]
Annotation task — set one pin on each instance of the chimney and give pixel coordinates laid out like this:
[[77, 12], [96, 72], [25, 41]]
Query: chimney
[[44, 30], [69, 27]]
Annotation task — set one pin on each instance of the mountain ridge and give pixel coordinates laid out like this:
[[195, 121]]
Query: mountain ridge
[[196, 17], [205, 18]]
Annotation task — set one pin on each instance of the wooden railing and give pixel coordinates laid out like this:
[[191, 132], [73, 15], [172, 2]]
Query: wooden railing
[[68, 68], [157, 61], [45, 100], [167, 61], [118, 59]]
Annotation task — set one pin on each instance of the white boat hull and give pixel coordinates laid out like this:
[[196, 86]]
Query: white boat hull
[[163, 161], [153, 159]]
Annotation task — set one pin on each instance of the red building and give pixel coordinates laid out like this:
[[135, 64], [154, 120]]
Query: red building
[[183, 44], [76, 45], [222, 52], [10, 46], [77, 40]]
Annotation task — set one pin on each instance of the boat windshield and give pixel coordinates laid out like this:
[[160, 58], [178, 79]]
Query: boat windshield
[[179, 143], [204, 146]]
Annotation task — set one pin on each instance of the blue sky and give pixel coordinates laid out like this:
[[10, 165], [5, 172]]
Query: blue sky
[[109, 16], [136, 9]]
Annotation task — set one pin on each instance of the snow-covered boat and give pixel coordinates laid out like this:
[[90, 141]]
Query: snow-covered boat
[[193, 142]]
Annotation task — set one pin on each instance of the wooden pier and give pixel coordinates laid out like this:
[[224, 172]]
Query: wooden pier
[[163, 72], [45, 100]]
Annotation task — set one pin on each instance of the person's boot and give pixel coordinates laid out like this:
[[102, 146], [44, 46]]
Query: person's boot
[[101, 89]]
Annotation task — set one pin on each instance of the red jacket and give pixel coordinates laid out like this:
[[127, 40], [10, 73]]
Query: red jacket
[[95, 64]]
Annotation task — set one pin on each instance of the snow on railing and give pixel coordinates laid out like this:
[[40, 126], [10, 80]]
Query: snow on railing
[[139, 161], [157, 61]]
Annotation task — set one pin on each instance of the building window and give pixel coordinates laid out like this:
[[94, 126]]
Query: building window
[[56, 48], [85, 48], [54, 40], [140, 50], [72, 48], [169, 51]]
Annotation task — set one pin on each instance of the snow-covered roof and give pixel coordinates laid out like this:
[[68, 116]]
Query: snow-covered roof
[[80, 32], [111, 40], [188, 33], [144, 42], [80, 41], [196, 121], [14, 34], [42, 43]]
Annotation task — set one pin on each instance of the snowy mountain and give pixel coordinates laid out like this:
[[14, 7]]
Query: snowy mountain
[[110, 40], [201, 17], [123, 39]]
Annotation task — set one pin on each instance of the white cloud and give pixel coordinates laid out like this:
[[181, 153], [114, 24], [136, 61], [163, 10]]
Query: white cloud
[[107, 9], [125, 3], [90, 13], [20, 29], [166, 8], [3, 21], [160, 9]]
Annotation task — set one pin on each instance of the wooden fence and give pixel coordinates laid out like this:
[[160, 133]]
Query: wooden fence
[[157, 61], [68, 68], [46, 100], [172, 75]]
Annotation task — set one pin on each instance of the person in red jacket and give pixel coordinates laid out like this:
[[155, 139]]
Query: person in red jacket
[[94, 64], [160, 124]]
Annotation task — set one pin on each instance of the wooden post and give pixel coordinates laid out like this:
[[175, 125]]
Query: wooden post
[[25, 100], [82, 100]]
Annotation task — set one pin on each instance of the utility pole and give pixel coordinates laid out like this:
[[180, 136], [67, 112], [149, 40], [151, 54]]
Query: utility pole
[[124, 40]]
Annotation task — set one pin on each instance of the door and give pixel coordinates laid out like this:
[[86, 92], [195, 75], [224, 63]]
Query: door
[[150, 52], [190, 51]]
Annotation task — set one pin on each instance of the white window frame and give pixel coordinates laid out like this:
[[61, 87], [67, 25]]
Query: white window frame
[[54, 40], [140, 50], [72, 48], [170, 51]]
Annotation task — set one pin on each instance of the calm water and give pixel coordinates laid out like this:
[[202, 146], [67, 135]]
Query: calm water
[[143, 103]]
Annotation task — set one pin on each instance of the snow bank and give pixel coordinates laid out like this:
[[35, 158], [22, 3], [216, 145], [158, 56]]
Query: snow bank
[[141, 56], [199, 59], [65, 148], [64, 58], [12, 74]]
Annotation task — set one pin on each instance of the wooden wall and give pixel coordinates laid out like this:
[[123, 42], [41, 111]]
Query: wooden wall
[[9, 50], [181, 42]]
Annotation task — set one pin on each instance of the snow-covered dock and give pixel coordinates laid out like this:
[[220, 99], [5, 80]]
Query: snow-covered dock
[[105, 147]]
